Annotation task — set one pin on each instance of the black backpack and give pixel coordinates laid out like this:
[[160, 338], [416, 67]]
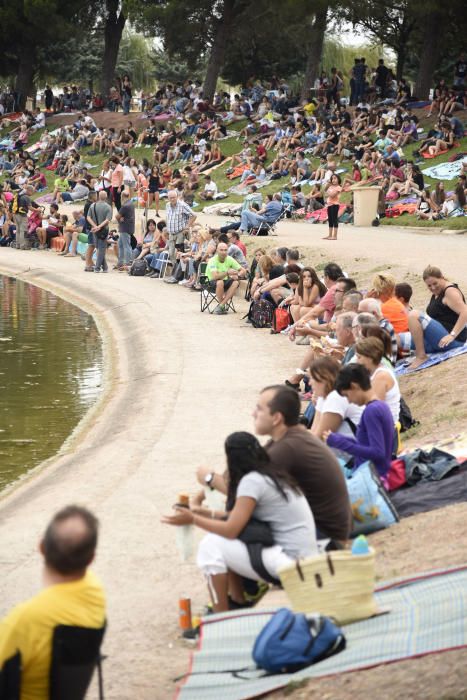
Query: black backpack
[[261, 313], [139, 268]]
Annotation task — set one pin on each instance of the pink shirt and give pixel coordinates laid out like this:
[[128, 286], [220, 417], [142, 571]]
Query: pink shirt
[[328, 303], [116, 179], [333, 194]]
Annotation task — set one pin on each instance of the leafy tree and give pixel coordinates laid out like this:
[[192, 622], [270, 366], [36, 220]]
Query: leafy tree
[[25, 27]]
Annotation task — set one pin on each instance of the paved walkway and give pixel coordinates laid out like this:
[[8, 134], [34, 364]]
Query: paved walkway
[[177, 382]]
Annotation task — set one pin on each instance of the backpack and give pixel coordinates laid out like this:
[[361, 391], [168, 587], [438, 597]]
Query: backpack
[[291, 641], [138, 268], [405, 417], [261, 313], [17, 205]]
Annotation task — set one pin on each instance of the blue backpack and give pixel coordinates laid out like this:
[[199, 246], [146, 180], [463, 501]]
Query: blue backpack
[[291, 641]]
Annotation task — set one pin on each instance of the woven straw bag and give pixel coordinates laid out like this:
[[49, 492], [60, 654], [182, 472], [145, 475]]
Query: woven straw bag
[[337, 584]]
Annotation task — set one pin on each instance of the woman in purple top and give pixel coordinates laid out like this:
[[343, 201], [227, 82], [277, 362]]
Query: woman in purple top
[[374, 439]]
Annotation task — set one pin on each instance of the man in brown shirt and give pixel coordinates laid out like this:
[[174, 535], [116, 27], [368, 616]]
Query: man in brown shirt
[[309, 460]]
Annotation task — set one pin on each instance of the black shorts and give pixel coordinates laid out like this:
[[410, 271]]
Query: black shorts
[[227, 283]]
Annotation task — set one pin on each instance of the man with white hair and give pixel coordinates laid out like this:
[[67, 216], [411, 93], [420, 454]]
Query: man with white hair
[[373, 307], [179, 218]]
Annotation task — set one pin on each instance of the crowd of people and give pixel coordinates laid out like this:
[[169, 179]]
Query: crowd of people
[[354, 336]]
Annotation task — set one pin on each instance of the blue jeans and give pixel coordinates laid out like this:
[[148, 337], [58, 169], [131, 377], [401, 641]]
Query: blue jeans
[[250, 220], [433, 331], [124, 248], [156, 260]]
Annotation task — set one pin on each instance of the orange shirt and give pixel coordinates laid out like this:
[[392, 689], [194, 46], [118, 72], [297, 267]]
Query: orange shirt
[[395, 313]]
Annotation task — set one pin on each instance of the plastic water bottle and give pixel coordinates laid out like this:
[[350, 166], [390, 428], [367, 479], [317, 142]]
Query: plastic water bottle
[[214, 500], [360, 545], [185, 533]]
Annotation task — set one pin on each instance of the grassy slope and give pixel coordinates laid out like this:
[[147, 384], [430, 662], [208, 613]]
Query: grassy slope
[[233, 145]]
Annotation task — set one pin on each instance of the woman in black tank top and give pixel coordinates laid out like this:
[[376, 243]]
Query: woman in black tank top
[[444, 325]]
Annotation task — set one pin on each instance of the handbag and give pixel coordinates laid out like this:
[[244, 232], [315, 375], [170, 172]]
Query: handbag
[[338, 584], [280, 320], [257, 535]]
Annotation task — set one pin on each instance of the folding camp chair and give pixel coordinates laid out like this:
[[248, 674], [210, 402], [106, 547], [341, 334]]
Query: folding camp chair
[[264, 229], [208, 297], [164, 261], [75, 655], [10, 678]]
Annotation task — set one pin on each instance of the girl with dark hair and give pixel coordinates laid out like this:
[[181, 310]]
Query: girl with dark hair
[[256, 488], [308, 293], [333, 189]]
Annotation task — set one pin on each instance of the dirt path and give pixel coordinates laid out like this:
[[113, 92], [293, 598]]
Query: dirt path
[[177, 383]]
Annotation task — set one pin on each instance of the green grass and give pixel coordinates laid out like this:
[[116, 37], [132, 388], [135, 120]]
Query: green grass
[[233, 145]]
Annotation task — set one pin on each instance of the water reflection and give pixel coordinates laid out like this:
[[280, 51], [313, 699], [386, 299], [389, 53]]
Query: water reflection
[[50, 373]]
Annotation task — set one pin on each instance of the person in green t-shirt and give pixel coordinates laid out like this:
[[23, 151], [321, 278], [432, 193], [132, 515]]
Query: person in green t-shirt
[[223, 273]]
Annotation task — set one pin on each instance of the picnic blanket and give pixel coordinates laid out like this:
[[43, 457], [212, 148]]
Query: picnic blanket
[[436, 358], [444, 171], [321, 215], [429, 155], [45, 199], [428, 614]]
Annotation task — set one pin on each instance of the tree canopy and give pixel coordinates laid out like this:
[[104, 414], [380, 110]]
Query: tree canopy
[[209, 39]]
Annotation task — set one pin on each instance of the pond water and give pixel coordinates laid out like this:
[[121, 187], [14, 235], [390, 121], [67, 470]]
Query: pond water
[[50, 374]]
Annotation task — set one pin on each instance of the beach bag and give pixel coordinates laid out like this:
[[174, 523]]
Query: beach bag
[[261, 313], [396, 475], [372, 509], [290, 642], [338, 584], [138, 268], [280, 320]]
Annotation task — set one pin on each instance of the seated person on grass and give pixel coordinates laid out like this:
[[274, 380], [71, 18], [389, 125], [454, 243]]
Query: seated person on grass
[[443, 326], [276, 288], [309, 291], [311, 323], [371, 352], [343, 351], [332, 411], [383, 288], [306, 458], [71, 233], [210, 189], [223, 273], [374, 438], [257, 487], [373, 308]]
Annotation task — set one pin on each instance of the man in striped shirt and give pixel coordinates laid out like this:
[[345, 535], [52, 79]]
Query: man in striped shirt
[[179, 218]]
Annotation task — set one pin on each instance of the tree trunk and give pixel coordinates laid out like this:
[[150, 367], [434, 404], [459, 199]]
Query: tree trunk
[[113, 31], [401, 56], [217, 53], [25, 77], [315, 50], [430, 52]]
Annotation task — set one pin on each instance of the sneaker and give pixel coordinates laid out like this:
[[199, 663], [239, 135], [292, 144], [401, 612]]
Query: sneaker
[[89, 269], [220, 310], [183, 282], [170, 280], [286, 331]]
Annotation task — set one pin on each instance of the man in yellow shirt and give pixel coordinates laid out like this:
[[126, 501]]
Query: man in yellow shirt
[[71, 595]]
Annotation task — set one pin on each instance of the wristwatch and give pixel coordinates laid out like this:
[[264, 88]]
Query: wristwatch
[[208, 480]]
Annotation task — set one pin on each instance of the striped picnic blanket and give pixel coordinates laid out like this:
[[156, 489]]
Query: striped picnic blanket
[[428, 614]]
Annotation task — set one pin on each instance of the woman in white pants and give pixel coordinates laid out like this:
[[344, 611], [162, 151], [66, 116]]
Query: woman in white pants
[[256, 488]]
